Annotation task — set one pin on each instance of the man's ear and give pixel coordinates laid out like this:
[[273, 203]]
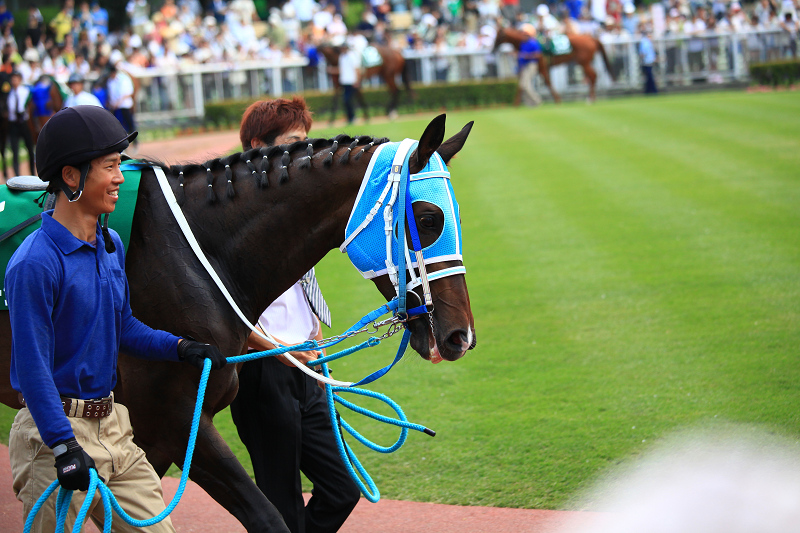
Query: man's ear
[[255, 142], [71, 176]]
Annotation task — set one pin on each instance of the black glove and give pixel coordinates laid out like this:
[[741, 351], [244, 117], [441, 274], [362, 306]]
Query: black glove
[[72, 465], [195, 352]]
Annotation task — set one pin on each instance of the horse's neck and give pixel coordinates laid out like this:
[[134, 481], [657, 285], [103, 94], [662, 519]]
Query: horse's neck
[[264, 240]]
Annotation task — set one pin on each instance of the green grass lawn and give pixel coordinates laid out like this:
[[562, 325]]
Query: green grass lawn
[[634, 269]]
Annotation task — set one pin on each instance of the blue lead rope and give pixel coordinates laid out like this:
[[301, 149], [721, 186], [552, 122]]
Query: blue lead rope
[[367, 487], [109, 501]]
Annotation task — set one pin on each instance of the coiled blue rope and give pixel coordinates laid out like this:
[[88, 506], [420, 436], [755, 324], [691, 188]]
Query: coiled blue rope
[[354, 467], [367, 487]]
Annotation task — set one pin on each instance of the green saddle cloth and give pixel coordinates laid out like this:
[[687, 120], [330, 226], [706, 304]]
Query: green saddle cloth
[[371, 57], [21, 215], [557, 45]]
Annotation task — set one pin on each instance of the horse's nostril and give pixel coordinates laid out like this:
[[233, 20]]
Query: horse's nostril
[[459, 340]]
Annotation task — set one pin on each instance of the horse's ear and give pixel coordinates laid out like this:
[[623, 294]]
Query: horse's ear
[[428, 143], [453, 145]]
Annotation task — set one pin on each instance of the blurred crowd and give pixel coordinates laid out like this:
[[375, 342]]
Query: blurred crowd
[[78, 40]]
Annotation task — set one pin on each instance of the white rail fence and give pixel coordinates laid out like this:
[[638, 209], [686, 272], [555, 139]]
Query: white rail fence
[[170, 94]]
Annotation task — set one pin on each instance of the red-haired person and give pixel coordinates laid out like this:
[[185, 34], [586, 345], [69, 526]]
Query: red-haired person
[[280, 412]]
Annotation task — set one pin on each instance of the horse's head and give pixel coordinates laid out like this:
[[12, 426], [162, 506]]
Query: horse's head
[[507, 35], [330, 53], [499, 38], [448, 330]]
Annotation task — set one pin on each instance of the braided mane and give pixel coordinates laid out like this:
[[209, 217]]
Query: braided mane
[[259, 163]]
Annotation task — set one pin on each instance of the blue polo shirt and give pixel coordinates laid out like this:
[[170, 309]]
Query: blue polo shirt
[[526, 51], [647, 51], [70, 312]]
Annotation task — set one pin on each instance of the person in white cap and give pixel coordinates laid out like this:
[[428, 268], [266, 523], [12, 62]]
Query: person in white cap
[[31, 66], [79, 96], [548, 24]]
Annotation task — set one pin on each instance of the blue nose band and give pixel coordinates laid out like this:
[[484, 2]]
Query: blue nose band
[[366, 240]]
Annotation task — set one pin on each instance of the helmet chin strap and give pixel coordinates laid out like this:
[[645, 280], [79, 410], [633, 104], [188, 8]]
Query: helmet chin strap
[[74, 196]]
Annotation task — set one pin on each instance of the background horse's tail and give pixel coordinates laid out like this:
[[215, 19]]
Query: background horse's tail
[[605, 58]]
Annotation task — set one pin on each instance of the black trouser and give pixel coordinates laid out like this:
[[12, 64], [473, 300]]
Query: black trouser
[[349, 106], [282, 417], [16, 131], [125, 117], [649, 80]]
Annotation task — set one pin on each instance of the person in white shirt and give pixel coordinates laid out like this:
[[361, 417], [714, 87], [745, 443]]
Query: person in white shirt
[[120, 98], [31, 67], [280, 413], [79, 96], [324, 16], [18, 96], [349, 77], [336, 26], [695, 28]]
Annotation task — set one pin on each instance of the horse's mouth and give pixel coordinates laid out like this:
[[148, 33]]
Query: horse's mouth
[[436, 352], [434, 355]]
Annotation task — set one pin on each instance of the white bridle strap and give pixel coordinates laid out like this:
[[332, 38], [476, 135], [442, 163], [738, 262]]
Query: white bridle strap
[[433, 276], [368, 218], [177, 212]]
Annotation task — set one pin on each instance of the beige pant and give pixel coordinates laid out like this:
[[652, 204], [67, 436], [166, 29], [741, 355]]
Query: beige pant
[[527, 77], [109, 442]]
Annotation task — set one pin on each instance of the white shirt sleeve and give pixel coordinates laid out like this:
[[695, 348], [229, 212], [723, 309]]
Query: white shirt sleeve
[[290, 318]]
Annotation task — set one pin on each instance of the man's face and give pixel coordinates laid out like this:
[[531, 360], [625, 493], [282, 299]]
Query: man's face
[[101, 191], [15, 81], [76, 87], [292, 135]]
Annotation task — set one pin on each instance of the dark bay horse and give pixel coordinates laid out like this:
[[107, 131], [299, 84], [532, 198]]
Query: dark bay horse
[[584, 47], [262, 231], [392, 64]]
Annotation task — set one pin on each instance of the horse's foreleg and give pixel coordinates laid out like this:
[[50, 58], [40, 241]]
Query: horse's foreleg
[[545, 72], [591, 79], [394, 95], [162, 422]]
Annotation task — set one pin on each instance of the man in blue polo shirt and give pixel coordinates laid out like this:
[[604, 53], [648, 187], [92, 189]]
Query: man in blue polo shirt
[[530, 53], [647, 53], [68, 300]]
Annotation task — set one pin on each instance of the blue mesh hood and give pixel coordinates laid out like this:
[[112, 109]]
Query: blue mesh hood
[[367, 251]]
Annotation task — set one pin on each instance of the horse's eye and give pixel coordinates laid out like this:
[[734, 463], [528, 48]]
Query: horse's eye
[[427, 221]]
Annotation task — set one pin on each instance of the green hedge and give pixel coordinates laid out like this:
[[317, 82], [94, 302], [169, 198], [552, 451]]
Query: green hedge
[[426, 98], [776, 73]]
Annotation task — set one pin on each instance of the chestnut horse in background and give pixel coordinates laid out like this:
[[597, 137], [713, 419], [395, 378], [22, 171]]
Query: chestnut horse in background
[[584, 47], [392, 64]]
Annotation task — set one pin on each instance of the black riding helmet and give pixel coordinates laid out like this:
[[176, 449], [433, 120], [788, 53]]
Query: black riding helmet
[[73, 137]]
